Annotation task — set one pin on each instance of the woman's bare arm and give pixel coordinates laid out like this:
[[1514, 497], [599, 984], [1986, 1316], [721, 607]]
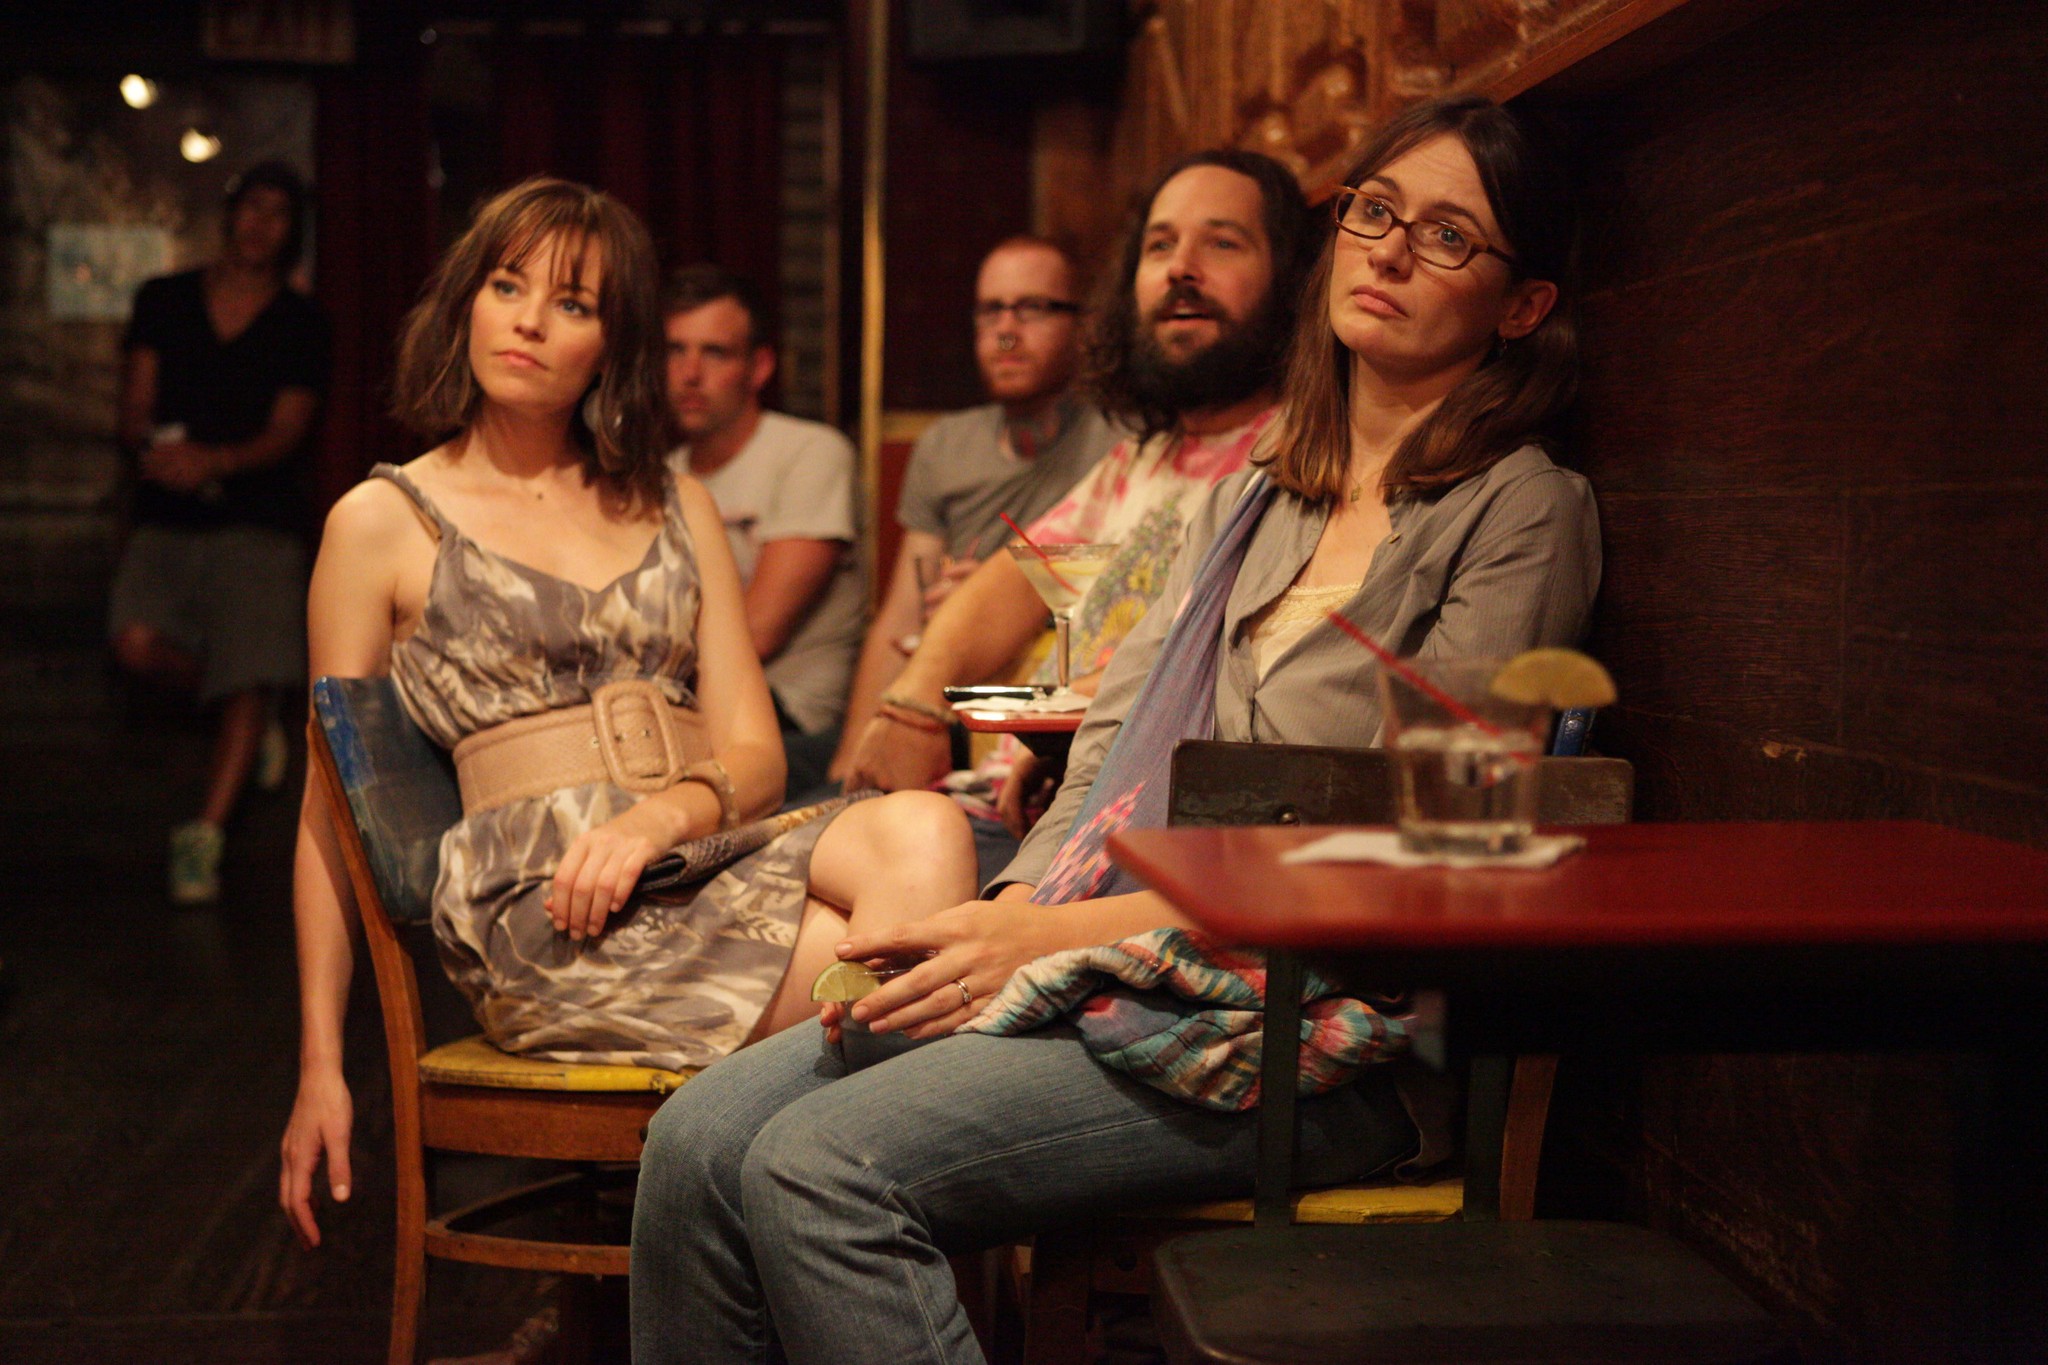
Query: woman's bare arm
[[351, 612]]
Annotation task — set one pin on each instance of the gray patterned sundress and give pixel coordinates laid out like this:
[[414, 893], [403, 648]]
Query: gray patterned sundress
[[666, 984]]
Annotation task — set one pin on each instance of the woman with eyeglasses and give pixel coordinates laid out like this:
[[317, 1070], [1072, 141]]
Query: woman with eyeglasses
[[786, 1197]]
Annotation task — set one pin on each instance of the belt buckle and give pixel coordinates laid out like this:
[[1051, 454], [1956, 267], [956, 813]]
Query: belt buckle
[[636, 736]]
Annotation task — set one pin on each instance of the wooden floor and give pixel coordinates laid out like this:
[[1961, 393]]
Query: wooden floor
[[148, 1058], [148, 1061]]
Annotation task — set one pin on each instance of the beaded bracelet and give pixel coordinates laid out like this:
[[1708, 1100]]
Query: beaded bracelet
[[942, 716], [895, 712]]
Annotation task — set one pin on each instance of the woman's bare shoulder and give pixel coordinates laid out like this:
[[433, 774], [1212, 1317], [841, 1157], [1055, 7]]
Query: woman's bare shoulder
[[374, 515], [694, 496]]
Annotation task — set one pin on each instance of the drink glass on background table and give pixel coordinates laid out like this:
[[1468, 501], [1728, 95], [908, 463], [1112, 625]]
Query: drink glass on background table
[[1465, 761], [1062, 575]]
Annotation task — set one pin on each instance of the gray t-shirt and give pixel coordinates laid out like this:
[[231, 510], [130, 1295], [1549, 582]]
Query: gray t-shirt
[[795, 480], [961, 475]]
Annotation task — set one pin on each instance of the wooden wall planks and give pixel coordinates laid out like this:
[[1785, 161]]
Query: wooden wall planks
[[1813, 403], [1816, 416], [959, 181], [1946, 623], [1699, 619]]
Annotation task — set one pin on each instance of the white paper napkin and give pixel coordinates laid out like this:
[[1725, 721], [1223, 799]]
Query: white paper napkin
[[1057, 703], [1384, 846]]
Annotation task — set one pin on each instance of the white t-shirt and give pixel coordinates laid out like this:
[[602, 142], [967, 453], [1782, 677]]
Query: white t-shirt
[[795, 480]]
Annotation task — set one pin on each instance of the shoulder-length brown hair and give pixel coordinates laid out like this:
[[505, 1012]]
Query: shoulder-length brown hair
[[619, 427], [1516, 394]]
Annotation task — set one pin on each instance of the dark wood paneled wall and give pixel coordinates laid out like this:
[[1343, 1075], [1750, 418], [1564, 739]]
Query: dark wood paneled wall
[[1816, 412], [958, 180]]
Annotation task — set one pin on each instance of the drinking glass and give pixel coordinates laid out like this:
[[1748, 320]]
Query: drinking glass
[[860, 1049], [1062, 575], [1465, 761]]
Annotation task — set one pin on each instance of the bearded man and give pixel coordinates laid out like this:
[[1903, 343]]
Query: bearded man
[[1187, 347]]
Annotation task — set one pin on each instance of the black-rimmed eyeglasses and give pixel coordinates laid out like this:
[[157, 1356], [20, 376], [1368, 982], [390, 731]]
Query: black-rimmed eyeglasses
[[1445, 245], [1029, 309]]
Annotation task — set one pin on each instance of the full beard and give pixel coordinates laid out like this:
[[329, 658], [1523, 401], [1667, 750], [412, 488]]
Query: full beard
[[1243, 359]]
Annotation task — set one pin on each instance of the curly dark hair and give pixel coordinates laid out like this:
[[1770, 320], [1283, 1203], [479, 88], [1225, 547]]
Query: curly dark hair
[[1128, 382]]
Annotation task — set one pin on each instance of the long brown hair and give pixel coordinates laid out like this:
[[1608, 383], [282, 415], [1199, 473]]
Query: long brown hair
[[619, 427], [1112, 341], [1517, 393]]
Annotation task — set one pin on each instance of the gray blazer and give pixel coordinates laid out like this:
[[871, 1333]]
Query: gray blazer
[[1506, 561]]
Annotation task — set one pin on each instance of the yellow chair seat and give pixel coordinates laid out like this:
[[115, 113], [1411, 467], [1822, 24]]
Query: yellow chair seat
[[473, 1061], [1436, 1202]]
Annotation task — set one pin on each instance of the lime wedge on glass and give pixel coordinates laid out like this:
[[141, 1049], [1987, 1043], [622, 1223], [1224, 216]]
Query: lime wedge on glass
[[1560, 678], [844, 982]]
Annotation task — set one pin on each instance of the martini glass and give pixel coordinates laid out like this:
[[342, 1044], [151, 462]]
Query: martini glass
[[1062, 575]]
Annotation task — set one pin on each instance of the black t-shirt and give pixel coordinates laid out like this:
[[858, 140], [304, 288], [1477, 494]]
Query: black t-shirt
[[223, 393]]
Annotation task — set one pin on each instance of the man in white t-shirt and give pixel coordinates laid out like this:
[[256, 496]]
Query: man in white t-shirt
[[786, 490]]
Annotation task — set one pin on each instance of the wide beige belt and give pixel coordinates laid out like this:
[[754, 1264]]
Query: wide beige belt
[[629, 734]]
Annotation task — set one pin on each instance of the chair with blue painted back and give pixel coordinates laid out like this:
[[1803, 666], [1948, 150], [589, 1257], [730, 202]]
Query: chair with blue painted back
[[397, 790]]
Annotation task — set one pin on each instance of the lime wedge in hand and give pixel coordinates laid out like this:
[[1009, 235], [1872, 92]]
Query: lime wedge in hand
[[844, 982], [1561, 678]]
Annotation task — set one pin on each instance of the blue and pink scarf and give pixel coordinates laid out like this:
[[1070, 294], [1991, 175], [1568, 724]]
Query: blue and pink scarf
[[1169, 1007]]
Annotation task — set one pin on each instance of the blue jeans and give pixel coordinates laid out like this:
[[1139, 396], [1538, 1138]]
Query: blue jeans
[[781, 1197]]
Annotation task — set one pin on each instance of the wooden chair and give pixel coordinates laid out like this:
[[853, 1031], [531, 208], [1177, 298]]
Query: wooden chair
[[398, 791], [1216, 783], [1480, 1284]]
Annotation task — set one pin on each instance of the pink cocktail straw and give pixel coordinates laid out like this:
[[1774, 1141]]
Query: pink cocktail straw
[[1414, 679], [1042, 555]]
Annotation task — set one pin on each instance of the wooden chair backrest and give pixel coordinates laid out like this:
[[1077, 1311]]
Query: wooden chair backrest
[[391, 793], [399, 787], [1218, 782]]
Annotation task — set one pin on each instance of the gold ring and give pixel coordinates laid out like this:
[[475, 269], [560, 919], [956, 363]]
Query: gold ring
[[966, 996]]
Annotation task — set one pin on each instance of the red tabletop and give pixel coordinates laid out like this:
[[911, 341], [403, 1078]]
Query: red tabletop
[[1637, 885], [1021, 722]]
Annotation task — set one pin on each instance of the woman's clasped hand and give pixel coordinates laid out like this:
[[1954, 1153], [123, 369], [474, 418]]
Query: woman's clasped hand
[[601, 867], [977, 945]]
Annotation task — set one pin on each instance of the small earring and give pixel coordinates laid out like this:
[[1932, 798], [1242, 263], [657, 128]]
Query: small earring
[[593, 414]]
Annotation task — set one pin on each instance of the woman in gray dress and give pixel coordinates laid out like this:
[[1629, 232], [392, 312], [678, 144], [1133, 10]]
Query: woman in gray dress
[[787, 1198], [540, 565]]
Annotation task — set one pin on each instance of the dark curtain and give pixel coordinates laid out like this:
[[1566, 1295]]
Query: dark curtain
[[686, 131], [376, 244]]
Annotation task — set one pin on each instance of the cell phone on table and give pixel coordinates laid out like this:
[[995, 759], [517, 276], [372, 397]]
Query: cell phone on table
[[991, 691]]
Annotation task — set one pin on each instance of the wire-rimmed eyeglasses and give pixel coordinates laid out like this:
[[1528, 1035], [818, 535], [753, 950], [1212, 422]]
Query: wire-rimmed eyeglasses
[[1029, 309], [1445, 245]]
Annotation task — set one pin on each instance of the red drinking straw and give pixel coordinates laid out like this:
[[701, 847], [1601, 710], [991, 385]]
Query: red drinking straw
[[1033, 546], [1414, 679]]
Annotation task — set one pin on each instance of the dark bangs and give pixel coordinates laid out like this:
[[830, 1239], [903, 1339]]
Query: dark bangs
[[620, 426]]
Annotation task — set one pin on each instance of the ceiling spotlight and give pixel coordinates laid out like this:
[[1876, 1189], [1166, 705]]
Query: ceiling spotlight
[[138, 91], [197, 146]]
